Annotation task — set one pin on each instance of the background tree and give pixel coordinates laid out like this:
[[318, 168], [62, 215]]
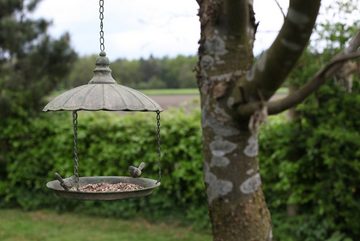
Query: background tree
[[150, 73], [80, 73], [32, 64], [234, 102]]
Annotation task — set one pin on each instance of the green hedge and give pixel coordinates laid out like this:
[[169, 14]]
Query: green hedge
[[312, 163], [108, 144]]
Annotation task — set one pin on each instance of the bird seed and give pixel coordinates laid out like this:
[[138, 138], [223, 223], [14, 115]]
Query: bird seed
[[108, 187]]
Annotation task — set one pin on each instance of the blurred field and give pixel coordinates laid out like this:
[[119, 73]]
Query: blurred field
[[17, 225], [195, 91], [177, 97], [171, 91]]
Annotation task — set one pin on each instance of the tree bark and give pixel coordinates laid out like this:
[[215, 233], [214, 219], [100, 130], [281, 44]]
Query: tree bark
[[236, 202], [227, 78]]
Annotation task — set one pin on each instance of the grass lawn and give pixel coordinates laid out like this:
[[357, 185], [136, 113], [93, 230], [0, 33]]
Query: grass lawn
[[16, 225]]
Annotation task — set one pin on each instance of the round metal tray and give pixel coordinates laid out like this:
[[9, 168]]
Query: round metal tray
[[148, 187]]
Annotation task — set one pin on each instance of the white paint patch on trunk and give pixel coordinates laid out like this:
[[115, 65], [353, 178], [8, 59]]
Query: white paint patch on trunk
[[219, 128], [252, 148], [219, 147], [297, 17], [226, 77], [207, 62], [215, 45], [219, 161], [290, 45], [222, 77], [216, 187], [251, 184]]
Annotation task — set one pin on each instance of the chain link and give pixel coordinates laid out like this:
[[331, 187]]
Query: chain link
[[158, 143], [75, 150], [101, 16]]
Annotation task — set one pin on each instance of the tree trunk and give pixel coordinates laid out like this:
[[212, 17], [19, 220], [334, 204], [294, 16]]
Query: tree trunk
[[236, 202], [234, 102], [234, 94]]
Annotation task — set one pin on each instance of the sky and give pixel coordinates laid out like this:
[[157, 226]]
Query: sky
[[138, 28]]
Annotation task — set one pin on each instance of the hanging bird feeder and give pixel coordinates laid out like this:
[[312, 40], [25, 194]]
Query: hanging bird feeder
[[104, 93]]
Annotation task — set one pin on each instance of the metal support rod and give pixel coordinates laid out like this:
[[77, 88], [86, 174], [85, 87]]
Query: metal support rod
[[75, 150], [158, 144]]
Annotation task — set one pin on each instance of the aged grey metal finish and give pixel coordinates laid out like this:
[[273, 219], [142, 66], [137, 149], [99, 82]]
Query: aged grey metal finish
[[158, 142], [148, 187], [75, 149], [102, 93], [136, 171]]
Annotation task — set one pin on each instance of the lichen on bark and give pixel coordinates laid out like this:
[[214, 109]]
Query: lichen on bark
[[227, 80]]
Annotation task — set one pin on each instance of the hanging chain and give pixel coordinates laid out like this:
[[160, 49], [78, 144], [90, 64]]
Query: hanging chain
[[75, 150], [101, 16], [158, 143]]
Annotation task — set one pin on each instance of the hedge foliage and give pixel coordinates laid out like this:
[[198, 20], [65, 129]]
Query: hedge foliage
[[108, 144], [311, 163]]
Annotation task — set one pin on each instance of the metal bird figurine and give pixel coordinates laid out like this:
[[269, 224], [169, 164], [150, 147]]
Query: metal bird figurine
[[136, 171], [66, 183]]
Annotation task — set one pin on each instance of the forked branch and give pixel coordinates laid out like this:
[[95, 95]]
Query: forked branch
[[275, 107], [272, 68]]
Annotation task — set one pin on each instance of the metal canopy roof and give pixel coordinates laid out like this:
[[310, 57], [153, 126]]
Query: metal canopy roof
[[102, 93]]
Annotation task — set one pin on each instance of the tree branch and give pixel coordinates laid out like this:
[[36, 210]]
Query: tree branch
[[280, 8], [275, 107], [354, 44], [272, 68], [236, 19], [319, 79]]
